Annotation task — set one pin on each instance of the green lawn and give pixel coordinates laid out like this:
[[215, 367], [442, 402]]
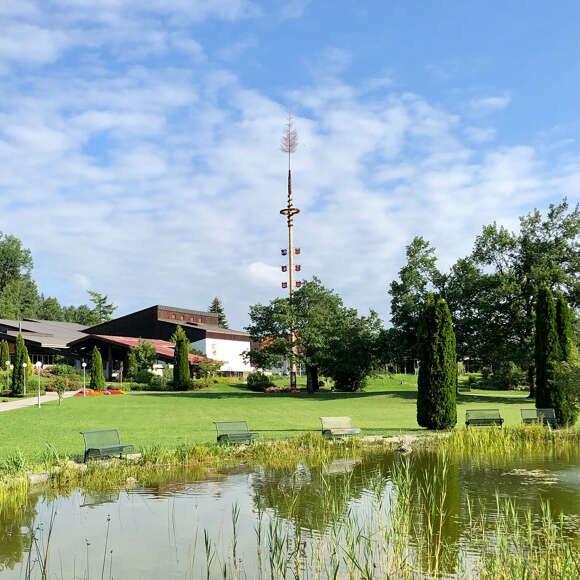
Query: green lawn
[[171, 419]]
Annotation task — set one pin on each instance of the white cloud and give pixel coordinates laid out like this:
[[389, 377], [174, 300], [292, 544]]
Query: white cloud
[[294, 8], [484, 105], [163, 184], [480, 134]]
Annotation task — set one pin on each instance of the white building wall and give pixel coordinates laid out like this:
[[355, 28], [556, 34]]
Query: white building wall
[[229, 351]]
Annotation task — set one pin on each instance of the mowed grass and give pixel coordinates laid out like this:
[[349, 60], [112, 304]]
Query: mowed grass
[[172, 419]]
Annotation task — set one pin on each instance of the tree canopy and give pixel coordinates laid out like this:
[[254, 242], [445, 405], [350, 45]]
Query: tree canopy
[[491, 293], [330, 338]]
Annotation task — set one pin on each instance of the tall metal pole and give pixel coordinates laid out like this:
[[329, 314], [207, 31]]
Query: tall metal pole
[[289, 144]]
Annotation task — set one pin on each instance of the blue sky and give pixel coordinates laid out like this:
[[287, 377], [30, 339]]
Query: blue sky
[[139, 139]]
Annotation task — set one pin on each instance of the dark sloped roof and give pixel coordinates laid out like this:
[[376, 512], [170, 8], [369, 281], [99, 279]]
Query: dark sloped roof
[[47, 333]]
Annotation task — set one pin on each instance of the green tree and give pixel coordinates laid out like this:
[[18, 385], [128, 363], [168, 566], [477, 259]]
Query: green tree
[[419, 276], [353, 350], [15, 261], [208, 369], [145, 355], [181, 370], [564, 327], [18, 372], [217, 308], [545, 251], [436, 404], [132, 367], [19, 299], [322, 326], [82, 314], [97, 379], [567, 377], [103, 309], [547, 353], [5, 355], [49, 309]]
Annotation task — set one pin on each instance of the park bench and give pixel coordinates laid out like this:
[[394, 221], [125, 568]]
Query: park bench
[[233, 432], [544, 416], [483, 417], [338, 427], [104, 443]]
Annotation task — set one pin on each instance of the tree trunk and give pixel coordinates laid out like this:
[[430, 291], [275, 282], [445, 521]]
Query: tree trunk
[[312, 379]]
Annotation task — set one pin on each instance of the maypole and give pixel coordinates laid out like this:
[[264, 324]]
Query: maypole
[[289, 145]]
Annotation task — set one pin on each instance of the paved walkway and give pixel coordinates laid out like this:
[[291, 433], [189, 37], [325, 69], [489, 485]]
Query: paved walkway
[[31, 401]]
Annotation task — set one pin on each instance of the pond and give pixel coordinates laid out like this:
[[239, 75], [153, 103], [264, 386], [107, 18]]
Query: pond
[[422, 515]]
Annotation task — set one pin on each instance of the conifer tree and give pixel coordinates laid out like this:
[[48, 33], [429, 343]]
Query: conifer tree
[[548, 353], [436, 401], [132, 367], [5, 355], [181, 372], [97, 380], [564, 327], [18, 372], [217, 308]]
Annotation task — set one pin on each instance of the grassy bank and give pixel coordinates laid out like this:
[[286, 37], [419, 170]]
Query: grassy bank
[[174, 419]]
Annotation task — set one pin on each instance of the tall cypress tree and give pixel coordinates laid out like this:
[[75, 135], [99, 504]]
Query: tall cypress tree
[[564, 395], [5, 354], [436, 399], [181, 372], [18, 372], [564, 327], [547, 353], [97, 380]]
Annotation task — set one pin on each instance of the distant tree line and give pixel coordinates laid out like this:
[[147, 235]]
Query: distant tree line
[[20, 298]]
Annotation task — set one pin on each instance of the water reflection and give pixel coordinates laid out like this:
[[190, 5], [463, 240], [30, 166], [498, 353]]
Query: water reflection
[[160, 531]]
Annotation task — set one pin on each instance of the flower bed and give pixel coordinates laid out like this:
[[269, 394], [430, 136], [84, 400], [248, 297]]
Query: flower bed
[[92, 392], [281, 390]]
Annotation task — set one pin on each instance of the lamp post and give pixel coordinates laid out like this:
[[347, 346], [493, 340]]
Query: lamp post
[[38, 366], [84, 365], [24, 365], [7, 375]]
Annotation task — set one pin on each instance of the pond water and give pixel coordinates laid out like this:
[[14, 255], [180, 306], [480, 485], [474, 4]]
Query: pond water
[[283, 518]]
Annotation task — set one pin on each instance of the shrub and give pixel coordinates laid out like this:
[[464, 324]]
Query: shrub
[[144, 377], [485, 373], [62, 370], [197, 384], [259, 382], [158, 382], [508, 375]]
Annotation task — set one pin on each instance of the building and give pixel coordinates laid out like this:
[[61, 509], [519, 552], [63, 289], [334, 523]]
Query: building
[[159, 323], [115, 349], [44, 339]]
